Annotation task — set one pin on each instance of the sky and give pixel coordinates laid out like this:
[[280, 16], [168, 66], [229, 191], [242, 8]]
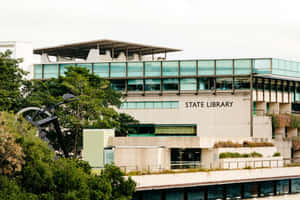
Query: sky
[[202, 28]]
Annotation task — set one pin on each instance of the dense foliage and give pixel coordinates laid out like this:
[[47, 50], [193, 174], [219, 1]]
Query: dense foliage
[[11, 79], [39, 176]]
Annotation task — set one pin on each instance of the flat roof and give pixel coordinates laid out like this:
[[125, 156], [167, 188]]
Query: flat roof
[[81, 49]]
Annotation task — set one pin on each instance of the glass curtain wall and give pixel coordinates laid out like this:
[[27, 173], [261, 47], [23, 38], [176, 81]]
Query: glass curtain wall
[[170, 84], [135, 85], [206, 83], [63, 68], [241, 83], [224, 67], [223, 83], [170, 68], [50, 71], [187, 68], [118, 85], [84, 65], [117, 70], [152, 69], [188, 84], [135, 69], [152, 84], [242, 67], [101, 69], [206, 67], [38, 72]]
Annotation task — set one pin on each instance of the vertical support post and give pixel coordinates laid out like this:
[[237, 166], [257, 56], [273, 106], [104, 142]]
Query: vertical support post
[[215, 72], [233, 77], [42, 71], [126, 54], [276, 83], [161, 81], [263, 87], [251, 99], [178, 76], [152, 55], [112, 53], [197, 78]]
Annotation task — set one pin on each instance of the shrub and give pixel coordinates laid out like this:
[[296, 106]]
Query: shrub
[[255, 154], [245, 144], [276, 154], [238, 155]]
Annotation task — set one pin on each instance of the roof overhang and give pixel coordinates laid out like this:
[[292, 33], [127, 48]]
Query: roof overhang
[[278, 77], [81, 49]]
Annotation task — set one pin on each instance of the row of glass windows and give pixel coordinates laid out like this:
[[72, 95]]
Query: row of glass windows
[[149, 104], [229, 191], [159, 68], [285, 68], [185, 84]]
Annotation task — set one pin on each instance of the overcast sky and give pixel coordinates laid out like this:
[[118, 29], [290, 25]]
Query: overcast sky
[[203, 29]]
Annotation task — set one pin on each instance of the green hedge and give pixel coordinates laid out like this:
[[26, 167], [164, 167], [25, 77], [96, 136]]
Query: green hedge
[[238, 155]]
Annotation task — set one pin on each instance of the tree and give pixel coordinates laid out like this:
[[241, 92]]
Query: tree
[[11, 80], [45, 178], [95, 108]]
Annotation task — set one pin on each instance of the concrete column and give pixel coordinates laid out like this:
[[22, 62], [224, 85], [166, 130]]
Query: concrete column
[[285, 108], [261, 108], [274, 108], [279, 133], [292, 132]]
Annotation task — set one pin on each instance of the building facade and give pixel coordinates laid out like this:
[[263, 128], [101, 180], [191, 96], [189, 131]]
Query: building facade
[[185, 107]]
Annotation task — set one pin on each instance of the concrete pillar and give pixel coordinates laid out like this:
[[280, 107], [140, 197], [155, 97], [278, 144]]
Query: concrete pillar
[[279, 133], [292, 132], [284, 148], [285, 108], [261, 108], [274, 108]]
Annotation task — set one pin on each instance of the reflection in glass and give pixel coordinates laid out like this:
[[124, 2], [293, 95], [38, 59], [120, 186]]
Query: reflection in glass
[[101, 69], [118, 85], [170, 68], [187, 68], [223, 83], [152, 69], [224, 67], [188, 84], [135, 69], [206, 83], [135, 85], [206, 67], [152, 84], [50, 71], [117, 70], [241, 83], [170, 84]]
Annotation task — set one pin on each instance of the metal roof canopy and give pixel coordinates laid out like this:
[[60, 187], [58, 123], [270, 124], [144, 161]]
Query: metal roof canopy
[[81, 49]]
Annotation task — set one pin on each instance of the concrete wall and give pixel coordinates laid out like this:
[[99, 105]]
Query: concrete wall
[[262, 127], [211, 121], [240, 163], [283, 147], [142, 158], [94, 142]]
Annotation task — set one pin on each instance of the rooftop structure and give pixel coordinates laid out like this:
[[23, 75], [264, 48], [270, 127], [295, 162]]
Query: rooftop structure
[[113, 49]]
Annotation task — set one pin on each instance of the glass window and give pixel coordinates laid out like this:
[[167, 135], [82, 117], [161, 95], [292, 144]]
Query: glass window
[[188, 84], [174, 195], [149, 104], [152, 84], [87, 66], [295, 185], [50, 71], [206, 67], [134, 69], [170, 68], [282, 187], [108, 156], [135, 85], [273, 85], [297, 92], [101, 69], [118, 85], [152, 69], [267, 188], [206, 84], [63, 68], [223, 83], [262, 66], [242, 66], [224, 67], [117, 69], [215, 192], [187, 68], [38, 72], [170, 84], [251, 190], [267, 84], [279, 86], [260, 84], [195, 195], [233, 191], [241, 83], [151, 195]]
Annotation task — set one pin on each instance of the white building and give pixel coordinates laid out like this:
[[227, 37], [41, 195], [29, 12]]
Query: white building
[[20, 49]]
